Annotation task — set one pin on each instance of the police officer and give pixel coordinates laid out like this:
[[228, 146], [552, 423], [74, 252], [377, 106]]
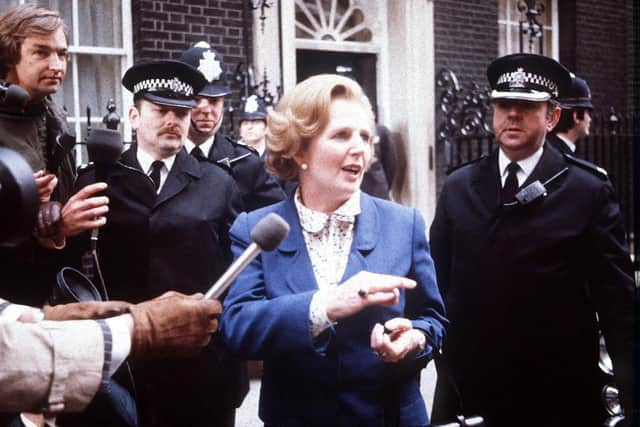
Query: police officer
[[516, 236], [575, 118], [167, 229], [258, 188], [51, 366], [253, 124]]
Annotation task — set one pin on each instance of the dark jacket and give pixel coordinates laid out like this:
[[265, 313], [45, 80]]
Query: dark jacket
[[257, 187], [523, 340], [28, 271], [177, 240], [558, 143], [335, 380]]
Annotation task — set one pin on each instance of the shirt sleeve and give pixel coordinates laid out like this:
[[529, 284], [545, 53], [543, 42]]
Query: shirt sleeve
[[318, 320], [49, 366]]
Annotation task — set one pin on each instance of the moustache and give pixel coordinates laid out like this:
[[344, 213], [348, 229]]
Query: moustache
[[174, 131]]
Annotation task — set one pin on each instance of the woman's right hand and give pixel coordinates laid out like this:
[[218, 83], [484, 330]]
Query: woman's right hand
[[362, 290]]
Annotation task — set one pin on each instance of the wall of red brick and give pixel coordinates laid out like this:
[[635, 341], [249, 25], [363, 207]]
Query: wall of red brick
[[604, 46], [163, 29]]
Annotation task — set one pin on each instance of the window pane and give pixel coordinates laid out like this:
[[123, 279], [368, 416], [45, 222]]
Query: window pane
[[6, 4], [64, 7], [64, 96], [502, 9], [100, 23], [100, 83]]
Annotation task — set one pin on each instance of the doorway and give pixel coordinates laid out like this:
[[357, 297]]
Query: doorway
[[359, 66]]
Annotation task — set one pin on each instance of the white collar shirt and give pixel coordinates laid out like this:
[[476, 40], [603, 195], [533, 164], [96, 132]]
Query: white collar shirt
[[328, 238], [526, 166], [205, 146], [570, 144], [145, 160]]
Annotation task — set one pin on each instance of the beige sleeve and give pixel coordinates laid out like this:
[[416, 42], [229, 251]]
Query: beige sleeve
[[49, 366]]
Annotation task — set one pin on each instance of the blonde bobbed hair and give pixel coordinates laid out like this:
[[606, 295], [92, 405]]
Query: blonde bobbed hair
[[302, 114]]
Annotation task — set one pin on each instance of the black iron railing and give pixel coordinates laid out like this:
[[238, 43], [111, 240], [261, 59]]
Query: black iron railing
[[464, 134]]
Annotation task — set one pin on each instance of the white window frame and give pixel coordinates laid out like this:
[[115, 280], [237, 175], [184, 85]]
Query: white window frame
[[513, 20], [126, 60]]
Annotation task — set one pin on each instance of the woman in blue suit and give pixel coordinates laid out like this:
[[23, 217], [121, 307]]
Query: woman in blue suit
[[345, 312]]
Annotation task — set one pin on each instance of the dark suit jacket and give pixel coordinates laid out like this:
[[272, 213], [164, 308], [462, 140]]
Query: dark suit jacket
[[523, 341], [336, 379], [558, 143], [257, 186], [176, 240]]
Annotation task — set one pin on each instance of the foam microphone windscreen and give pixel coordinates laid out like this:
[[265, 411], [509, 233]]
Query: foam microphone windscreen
[[269, 232], [104, 146]]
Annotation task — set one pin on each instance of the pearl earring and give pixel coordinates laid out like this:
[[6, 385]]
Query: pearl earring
[[304, 166]]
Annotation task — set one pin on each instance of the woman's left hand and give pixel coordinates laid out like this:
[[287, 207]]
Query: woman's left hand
[[396, 339]]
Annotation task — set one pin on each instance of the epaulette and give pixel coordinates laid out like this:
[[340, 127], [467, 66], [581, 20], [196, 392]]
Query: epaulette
[[229, 162], [245, 146], [470, 162], [222, 164], [588, 166]]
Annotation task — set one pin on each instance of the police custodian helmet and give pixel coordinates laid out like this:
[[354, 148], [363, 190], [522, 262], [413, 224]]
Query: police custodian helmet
[[209, 62], [577, 96], [253, 108]]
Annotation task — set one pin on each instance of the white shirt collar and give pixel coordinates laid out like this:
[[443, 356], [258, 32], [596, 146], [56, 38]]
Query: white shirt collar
[[526, 165], [571, 144], [145, 160], [314, 221], [205, 146]]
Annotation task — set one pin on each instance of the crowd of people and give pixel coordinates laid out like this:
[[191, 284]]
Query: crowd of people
[[524, 266]]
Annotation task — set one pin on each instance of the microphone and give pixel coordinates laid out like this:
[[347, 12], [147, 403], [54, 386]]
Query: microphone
[[104, 147], [13, 95], [266, 235]]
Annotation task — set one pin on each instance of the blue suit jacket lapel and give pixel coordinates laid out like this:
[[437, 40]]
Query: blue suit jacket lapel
[[300, 278], [364, 239]]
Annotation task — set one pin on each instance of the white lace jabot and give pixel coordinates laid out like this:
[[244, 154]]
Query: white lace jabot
[[328, 238]]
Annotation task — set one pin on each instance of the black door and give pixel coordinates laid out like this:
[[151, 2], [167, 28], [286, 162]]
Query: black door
[[359, 66]]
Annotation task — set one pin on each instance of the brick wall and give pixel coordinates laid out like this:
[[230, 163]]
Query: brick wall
[[466, 37], [466, 41], [604, 38], [162, 29]]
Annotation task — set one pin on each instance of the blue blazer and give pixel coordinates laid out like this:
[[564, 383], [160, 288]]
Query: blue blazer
[[335, 379]]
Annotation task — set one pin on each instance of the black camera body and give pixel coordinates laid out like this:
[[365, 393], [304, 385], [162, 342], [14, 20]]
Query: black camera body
[[19, 200]]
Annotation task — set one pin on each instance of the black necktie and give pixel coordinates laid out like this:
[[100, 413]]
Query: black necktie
[[197, 153], [156, 166], [511, 183]]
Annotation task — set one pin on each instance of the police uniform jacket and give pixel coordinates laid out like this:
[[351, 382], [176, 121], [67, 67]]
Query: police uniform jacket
[[558, 143], [257, 186], [174, 240], [335, 380], [523, 340]]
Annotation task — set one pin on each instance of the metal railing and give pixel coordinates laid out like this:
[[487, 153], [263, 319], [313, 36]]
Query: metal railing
[[465, 134]]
